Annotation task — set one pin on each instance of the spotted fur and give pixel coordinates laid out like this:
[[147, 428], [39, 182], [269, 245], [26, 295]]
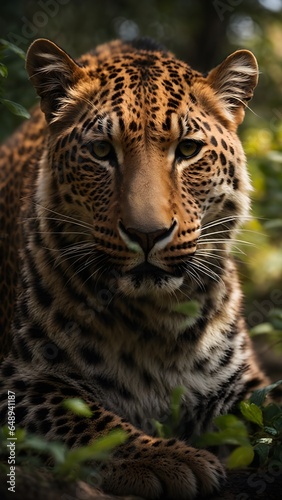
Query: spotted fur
[[131, 197]]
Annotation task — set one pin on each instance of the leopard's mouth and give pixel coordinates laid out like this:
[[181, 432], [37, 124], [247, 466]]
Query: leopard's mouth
[[146, 270], [150, 271], [147, 279]]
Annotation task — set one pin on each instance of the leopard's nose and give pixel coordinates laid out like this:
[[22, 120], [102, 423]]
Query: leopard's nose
[[136, 239]]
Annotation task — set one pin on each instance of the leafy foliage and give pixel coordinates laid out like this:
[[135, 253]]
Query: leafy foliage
[[13, 107], [69, 464], [257, 435], [78, 407], [190, 308], [169, 427]]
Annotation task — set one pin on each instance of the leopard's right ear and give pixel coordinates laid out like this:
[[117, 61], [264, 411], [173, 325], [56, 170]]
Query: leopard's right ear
[[52, 72], [234, 82]]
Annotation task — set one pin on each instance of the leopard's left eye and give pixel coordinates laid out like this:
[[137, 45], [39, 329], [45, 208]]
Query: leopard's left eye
[[187, 149], [103, 150]]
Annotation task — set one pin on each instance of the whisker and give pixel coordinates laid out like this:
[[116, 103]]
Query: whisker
[[206, 270], [228, 218], [209, 254], [227, 240], [203, 235], [66, 221], [96, 272], [83, 245], [64, 217], [72, 248], [195, 275], [62, 232], [77, 271], [79, 255], [192, 273], [201, 261], [234, 250]]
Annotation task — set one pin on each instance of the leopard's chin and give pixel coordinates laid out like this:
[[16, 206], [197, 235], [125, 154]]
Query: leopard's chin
[[149, 280]]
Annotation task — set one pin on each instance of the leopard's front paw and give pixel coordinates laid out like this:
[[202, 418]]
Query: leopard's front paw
[[155, 467]]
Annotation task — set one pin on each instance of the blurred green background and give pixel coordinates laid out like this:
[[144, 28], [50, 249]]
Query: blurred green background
[[202, 32]]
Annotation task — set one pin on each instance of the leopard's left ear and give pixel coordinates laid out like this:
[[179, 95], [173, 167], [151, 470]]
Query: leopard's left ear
[[234, 82], [52, 72]]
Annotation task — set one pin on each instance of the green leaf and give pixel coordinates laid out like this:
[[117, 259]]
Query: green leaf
[[276, 313], [5, 431], [231, 431], [240, 457], [20, 435], [275, 156], [262, 450], [270, 387], [4, 44], [271, 412], [176, 398], [58, 451], [168, 431], [275, 316], [230, 421], [259, 395], [261, 329], [251, 412], [278, 424], [3, 70], [190, 308], [164, 431], [78, 407], [159, 428], [265, 440], [271, 431], [213, 439], [227, 436], [36, 443], [15, 108], [98, 450], [55, 449]]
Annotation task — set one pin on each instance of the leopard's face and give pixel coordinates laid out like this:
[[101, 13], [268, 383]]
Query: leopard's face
[[143, 152]]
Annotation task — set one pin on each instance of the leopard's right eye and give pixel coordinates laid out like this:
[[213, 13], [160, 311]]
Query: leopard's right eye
[[103, 150], [187, 149]]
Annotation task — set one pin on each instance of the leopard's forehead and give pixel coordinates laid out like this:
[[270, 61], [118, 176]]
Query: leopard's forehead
[[141, 89]]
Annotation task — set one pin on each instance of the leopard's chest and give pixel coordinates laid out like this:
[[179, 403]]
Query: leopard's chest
[[143, 399]]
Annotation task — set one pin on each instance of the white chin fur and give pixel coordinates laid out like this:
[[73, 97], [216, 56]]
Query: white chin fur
[[148, 287]]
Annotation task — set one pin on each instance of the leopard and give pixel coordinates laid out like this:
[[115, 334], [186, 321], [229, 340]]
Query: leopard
[[122, 197]]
